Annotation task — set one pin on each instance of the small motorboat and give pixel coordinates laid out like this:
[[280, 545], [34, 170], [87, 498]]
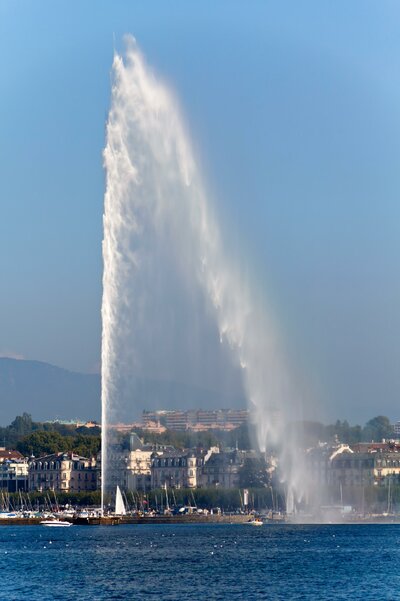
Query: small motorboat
[[255, 522], [55, 523]]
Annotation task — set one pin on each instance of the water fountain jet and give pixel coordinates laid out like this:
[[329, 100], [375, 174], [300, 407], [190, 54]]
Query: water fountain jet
[[156, 212]]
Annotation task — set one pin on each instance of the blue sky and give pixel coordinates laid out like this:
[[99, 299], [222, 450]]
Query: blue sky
[[293, 110]]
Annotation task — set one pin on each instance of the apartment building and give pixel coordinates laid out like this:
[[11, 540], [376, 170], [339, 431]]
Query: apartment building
[[66, 472]]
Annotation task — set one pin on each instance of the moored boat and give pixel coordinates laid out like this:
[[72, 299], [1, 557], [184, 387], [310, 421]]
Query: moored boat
[[55, 523]]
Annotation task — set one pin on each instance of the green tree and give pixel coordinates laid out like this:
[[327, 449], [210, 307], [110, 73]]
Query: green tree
[[22, 424], [253, 473], [181, 440], [343, 432], [377, 428], [87, 446], [41, 443]]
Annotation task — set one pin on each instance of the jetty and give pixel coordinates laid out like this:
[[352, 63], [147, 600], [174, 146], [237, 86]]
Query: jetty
[[135, 520]]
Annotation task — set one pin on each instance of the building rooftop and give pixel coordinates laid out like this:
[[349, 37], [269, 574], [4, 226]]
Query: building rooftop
[[60, 456], [373, 447], [224, 458], [11, 455]]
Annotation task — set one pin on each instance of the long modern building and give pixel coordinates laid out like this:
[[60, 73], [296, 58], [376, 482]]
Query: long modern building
[[219, 419]]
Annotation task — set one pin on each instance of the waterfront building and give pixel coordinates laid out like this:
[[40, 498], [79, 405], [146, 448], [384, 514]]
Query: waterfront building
[[222, 468], [66, 472], [319, 460], [352, 469], [14, 475], [176, 469], [14, 471], [139, 464], [117, 467], [374, 467], [359, 465], [130, 469]]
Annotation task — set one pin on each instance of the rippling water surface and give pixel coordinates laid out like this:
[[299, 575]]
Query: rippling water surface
[[196, 562]]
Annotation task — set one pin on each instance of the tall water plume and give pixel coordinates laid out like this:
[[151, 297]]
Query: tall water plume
[[160, 235]]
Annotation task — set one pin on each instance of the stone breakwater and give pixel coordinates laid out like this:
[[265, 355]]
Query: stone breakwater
[[115, 521], [165, 519]]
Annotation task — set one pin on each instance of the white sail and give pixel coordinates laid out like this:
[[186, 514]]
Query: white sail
[[119, 503]]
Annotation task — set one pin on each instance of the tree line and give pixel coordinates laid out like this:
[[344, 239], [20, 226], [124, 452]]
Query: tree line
[[310, 433], [37, 438]]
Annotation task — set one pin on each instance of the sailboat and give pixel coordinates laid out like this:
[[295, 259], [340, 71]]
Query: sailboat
[[119, 503]]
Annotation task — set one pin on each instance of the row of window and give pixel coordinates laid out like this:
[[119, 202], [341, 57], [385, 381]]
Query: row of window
[[365, 463], [42, 478], [175, 462], [353, 463], [169, 474], [56, 465]]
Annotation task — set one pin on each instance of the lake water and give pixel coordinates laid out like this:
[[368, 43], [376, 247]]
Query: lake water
[[196, 562]]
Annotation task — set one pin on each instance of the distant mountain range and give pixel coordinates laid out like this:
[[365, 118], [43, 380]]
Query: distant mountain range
[[48, 392]]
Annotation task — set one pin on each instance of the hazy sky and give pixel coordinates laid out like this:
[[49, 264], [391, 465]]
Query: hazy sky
[[294, 112]]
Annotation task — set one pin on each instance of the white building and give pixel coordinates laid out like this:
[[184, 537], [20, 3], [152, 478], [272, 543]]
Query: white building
[[66, 472], [14, 475]]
